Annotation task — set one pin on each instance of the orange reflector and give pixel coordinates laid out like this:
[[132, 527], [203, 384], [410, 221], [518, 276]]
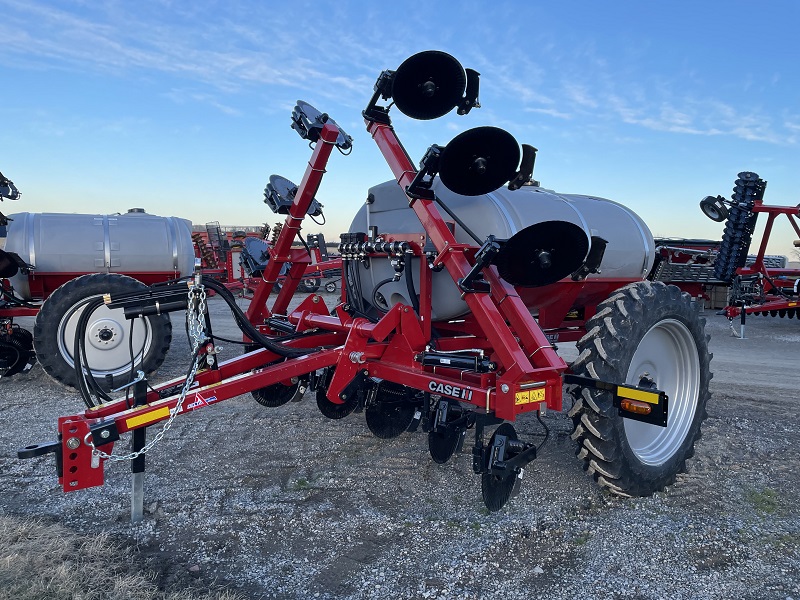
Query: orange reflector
[[639, 408]]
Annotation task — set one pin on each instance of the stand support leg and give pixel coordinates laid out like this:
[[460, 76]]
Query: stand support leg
[[137, 464], [741, 326]]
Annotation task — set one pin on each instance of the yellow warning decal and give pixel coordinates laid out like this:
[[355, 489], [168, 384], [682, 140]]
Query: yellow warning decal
[[149, 417], [649, 397], [528, 396]]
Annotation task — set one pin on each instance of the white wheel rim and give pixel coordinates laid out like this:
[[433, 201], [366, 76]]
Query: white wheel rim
[[668, 355], [107, 340]]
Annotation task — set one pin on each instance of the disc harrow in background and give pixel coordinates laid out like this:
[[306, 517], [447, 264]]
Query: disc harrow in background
[[739, 227]]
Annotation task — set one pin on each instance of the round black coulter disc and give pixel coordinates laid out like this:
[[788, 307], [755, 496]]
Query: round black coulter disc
[[442, 444], [479, 161], [428, 85], [392, 413], [336, 411], [276, 395], [11, 357], [497, 490]]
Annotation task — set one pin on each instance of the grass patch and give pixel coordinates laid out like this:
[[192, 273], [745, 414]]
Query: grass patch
[[764, 501], [302, 484], [49, 562], [581, 539]]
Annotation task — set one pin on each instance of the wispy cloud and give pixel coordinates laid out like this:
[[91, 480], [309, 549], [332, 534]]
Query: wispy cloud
[[659, 107], [255, 49], [550, 112]]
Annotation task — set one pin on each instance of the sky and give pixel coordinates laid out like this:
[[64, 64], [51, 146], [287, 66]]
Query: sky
[[183, 108]]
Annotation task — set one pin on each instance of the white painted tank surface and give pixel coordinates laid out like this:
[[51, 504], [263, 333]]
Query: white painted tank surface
[[134, 242], [629, 254]]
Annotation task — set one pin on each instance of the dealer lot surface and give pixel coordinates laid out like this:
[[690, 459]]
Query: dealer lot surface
[[285, 503]]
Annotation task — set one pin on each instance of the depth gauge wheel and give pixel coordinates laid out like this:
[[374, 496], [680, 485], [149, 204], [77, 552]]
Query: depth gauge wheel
[[111, 339], [644, 330]]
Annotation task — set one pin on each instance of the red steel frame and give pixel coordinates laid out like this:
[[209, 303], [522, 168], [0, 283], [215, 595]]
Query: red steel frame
[[500, 323], [758, 267]]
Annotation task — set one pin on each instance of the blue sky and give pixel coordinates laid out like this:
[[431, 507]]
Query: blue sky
[[183, 107]]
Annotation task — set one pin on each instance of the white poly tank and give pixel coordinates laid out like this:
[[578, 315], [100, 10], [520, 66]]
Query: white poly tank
[[134, 242], [629, 254]]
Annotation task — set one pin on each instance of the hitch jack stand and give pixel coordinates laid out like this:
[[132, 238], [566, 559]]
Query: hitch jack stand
[[741, 326], [137, 464]]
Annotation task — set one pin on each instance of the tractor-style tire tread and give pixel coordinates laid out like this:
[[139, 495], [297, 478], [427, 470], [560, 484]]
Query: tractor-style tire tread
[[598, 429]]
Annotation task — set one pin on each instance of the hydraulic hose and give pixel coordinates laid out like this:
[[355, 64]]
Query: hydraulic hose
[[375, 293], [249, 329], [86, 380], [410, 287]]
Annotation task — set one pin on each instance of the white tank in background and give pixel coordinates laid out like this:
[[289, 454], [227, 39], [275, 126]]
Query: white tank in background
[[629, 254], [130, 243]]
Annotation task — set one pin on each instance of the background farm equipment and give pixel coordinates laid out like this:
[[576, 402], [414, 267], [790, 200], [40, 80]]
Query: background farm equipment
[[52, 263], [761, 286], [238, 259], [443, 273]]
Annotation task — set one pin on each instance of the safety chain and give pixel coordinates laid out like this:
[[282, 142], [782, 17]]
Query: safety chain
[[196, 308]]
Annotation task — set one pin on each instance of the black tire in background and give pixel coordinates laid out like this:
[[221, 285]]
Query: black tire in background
[[107, 333], [645, 329], [309, 285]]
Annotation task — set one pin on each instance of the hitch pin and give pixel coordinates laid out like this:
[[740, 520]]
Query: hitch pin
[[139, 377]]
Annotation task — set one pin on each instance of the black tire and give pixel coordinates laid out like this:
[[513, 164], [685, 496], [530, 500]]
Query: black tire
[[54, 333], [714, 209], [739, 226], [309, 285], [643, 328]]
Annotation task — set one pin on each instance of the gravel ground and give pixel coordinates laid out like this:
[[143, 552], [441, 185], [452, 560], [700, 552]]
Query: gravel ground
[[283, 503]]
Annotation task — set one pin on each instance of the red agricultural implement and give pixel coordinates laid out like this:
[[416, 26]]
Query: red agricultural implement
[[443, 325], [756, 287]]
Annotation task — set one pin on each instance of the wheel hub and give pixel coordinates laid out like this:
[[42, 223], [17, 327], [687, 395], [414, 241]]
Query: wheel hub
[[105, 334]]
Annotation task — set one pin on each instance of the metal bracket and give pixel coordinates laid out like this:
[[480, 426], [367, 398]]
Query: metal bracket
[[639, 403]]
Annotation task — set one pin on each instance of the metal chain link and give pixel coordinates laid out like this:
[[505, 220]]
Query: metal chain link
[[196, 308]]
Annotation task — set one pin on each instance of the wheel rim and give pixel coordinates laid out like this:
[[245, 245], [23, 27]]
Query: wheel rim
[[107, 340], [668, 355]]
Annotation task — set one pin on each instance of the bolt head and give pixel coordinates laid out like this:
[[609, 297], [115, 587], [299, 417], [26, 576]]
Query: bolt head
[[73, 443], [105, 434], [504, 388]]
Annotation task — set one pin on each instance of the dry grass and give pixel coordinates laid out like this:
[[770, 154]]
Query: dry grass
[[43, 562]]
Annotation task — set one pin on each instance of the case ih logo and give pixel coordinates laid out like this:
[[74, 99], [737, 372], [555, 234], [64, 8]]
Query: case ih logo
[[450, 390]]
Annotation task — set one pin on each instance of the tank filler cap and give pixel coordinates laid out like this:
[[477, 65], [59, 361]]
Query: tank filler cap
[[136, 210]]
